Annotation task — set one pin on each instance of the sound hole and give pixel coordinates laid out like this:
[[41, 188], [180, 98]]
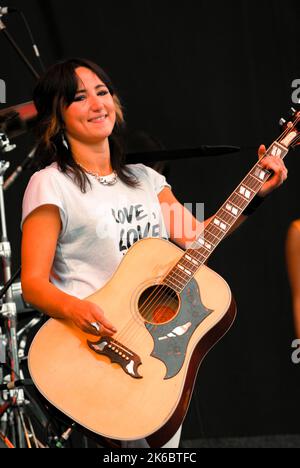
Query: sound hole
[[158, 304]]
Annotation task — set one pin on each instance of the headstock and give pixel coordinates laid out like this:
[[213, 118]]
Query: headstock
[[291, 134]]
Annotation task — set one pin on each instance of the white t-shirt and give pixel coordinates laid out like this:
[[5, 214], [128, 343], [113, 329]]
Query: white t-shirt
[[99, 226]]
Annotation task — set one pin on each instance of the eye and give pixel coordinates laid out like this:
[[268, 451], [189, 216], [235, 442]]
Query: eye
[[103, 92], [80, 97]]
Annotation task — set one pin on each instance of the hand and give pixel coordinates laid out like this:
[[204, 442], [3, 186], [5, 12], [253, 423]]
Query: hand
[[276, 165], [83, 313]]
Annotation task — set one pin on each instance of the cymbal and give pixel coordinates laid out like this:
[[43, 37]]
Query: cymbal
[[16, 120]]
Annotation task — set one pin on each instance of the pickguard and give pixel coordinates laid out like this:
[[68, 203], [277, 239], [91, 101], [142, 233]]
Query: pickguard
[[171, 339]]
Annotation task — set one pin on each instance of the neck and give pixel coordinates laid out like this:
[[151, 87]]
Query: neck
[[93, 158]]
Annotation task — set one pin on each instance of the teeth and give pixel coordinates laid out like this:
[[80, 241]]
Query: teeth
[[102, 117]]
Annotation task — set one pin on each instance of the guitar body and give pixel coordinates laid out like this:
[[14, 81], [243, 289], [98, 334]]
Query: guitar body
[[140, 385]]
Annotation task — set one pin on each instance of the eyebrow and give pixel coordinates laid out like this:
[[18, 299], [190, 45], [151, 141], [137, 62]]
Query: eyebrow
[[96, 87]]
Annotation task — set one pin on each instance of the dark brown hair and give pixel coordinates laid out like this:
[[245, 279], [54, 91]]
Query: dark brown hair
[[55, 90]]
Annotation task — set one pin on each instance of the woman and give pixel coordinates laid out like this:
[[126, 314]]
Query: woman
[[293, 264], [85, 208]]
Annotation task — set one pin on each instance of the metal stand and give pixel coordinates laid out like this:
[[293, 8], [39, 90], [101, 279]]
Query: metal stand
[[9, 313], [13, 417]]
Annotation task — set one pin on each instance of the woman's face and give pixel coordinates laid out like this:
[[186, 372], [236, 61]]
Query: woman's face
[[91, 116]]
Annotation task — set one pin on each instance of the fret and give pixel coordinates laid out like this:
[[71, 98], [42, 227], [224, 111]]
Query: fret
[[195, 253], [245, 192], [184, 270], [169, 283], [204, 244], [231, 208], [248, 183], [255, 183], [179, 274], [188, 265], [214, 230], [191, 260], [276, 149], [227, 217], [200, 248], [211, 237], [172, 279], [258, 174], [238, 200], [202, 256], [224, 227], [221, 223]]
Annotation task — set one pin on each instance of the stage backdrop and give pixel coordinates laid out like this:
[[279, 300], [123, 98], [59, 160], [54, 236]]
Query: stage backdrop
[[200, 73]]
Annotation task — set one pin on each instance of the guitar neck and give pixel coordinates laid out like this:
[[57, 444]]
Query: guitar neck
[[222, 221]]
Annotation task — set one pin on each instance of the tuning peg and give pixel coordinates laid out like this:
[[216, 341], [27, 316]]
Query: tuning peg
[[282, 122], [293, 111]]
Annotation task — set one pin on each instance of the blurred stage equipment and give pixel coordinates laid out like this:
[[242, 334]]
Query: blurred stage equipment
[[16, 428]]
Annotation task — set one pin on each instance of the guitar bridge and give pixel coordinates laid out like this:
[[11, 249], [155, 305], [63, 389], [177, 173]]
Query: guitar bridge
[[117, 353]]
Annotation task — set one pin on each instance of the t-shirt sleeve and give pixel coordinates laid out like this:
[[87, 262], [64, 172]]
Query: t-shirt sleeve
[[43, 189], [157, 180]]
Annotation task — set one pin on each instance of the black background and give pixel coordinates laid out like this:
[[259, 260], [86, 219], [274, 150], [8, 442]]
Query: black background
[[199, 73]]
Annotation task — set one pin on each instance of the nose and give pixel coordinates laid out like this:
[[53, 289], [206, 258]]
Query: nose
[[96, 102]]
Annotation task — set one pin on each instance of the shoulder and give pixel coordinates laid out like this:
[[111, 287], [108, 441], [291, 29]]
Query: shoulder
[[295, 227], [141, 171], [138, 169], [49, 172], [50, 178], [293, 234]]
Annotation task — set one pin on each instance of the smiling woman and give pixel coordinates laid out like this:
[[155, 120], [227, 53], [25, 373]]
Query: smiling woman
[[82, 212], [70, 204], [78, 106], [90, 119]]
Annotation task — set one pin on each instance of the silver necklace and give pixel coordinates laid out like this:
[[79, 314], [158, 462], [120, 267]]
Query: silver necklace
[[110, 179]]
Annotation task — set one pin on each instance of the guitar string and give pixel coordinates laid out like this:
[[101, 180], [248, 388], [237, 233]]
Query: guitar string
[[159, 291], [170, 297]]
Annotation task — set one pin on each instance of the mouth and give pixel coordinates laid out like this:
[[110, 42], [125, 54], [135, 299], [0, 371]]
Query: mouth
[[98, 119]]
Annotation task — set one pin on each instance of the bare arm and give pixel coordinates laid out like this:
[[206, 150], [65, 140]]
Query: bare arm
[[293, 265], [183, 228], [40, 234]]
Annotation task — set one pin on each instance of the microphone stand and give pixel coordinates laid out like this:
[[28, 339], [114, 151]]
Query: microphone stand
[[17, 49]]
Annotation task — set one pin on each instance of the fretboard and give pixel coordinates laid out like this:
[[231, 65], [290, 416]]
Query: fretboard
[[221, 223]]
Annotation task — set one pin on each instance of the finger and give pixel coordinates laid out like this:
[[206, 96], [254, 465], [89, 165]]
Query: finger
[[273, 163], [100, 317], [261, 151], [100, 330]]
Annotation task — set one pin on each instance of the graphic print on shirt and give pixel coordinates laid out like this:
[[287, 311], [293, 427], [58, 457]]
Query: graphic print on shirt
[[135, 223]]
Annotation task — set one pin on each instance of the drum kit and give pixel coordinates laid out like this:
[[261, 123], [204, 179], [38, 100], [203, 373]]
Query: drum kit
[[26, 420]]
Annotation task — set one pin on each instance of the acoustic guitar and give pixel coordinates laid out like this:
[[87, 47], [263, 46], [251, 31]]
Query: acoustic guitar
[[170, 309]]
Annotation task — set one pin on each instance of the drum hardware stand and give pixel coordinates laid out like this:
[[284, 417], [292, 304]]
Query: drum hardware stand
[[14, 415]]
